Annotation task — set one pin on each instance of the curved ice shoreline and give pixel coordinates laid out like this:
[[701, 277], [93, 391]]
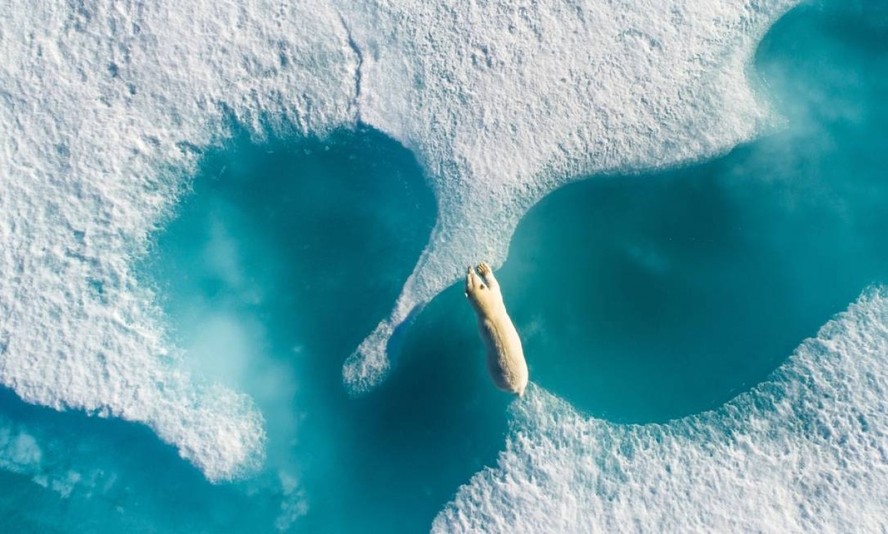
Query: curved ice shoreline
[[104, 107], [802, 452], [503, 103]]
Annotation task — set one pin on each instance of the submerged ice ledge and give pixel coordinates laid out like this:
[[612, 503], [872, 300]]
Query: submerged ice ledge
[[105, 107]]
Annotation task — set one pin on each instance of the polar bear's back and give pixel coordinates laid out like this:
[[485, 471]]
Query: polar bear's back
[[505, 356]]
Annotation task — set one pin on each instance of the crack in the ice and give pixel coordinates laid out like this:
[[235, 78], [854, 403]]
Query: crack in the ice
[[359, 60]]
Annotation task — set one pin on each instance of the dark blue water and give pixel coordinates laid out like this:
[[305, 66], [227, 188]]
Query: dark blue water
[[639, 298]]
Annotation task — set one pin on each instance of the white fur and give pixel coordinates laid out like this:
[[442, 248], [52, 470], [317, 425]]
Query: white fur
[[505, 357]]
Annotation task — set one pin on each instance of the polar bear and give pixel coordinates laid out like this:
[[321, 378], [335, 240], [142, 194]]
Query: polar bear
[[505, 358]]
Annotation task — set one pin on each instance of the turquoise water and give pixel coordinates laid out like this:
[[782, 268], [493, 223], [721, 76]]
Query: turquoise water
[[640, 298], [299, 265], [688, 286], [649, 297]]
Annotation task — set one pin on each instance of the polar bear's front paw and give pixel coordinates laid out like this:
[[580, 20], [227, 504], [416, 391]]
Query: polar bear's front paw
[[487, 275], [473, 282]]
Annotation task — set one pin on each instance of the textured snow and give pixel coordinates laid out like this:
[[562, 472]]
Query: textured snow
[[105, 105], [806, 451], [504, 101]]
